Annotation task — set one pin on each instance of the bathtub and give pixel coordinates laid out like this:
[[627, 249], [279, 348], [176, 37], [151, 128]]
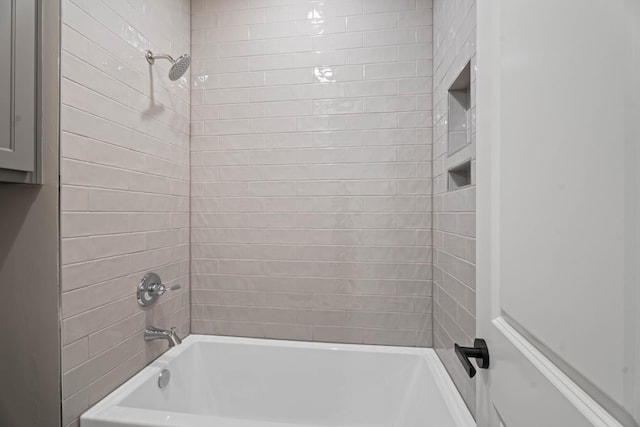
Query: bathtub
[[239, 382]]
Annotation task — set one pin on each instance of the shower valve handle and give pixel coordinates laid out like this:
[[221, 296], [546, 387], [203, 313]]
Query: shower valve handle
[[151, 288], [479, 351], [160, 288]]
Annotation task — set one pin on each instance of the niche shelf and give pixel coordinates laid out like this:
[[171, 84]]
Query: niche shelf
[[459, 115], [460, 176]]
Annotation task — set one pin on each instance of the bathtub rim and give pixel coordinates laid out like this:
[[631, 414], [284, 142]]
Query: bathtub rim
[[453, 399]]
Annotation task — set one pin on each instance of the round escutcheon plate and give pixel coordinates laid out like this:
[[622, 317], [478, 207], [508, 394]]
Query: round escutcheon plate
[[147, 289]]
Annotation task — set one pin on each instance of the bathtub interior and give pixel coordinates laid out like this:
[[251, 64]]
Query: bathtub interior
[[296, 384]]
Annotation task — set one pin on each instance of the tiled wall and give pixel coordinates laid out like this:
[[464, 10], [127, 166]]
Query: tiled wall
[[311, 169], [454, 211], [125, 188]]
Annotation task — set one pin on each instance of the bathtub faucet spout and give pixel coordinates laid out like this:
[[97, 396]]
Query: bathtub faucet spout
[[152, 333]]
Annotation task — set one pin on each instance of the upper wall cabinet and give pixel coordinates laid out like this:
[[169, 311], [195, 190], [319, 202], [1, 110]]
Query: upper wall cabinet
[[19, 118]]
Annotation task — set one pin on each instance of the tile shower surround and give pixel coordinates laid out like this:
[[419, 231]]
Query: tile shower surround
[[125, 189], [311, 176], [311, 170], [454, 243]]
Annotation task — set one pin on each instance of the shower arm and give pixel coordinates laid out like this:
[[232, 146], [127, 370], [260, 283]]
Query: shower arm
[[151, 58]]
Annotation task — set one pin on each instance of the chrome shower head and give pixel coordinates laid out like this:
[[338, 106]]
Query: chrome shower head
[[178, 66]]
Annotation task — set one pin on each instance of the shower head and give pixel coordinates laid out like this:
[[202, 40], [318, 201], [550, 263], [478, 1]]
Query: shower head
[[178, 66]]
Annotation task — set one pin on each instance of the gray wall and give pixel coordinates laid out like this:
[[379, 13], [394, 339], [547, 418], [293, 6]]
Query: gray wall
[[30, 355], [454, 211]]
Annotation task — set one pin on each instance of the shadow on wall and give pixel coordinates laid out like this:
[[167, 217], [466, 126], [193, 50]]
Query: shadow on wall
[[154, 109], [29, 306], [18, 201]]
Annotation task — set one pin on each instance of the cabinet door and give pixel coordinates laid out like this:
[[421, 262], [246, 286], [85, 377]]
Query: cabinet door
[[18, 84]]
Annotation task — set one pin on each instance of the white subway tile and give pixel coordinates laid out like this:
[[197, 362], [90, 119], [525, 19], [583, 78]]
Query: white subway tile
[[91, 175], [321, 123], [288, 109], [371, 55], [338, 138], [390, 37], [341, 7], [242, 80], [376, 6], [413, 120], [245, 48], [415, 85], [226, 127], [415, 51], [284, 124], [291, 12], [391, 70], [240, 111], [241, 17], [227, 34], [273, 30], [425, 34], [369, 22], [424, 68], [290, 44], [372, 121], [337, 41], [288, 77], [337, 106], [226, 96], [289, 140], [365, 88], [389, 103], [338, 73], [313, 27]]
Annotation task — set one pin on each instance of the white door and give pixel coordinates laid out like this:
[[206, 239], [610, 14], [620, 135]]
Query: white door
[[558, 177]]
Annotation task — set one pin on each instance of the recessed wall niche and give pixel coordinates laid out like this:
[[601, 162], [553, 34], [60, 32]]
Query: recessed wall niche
[[460, 176], [459, 116]]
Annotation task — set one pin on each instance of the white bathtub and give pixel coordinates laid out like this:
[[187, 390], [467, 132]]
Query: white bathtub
[[238, 382]]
